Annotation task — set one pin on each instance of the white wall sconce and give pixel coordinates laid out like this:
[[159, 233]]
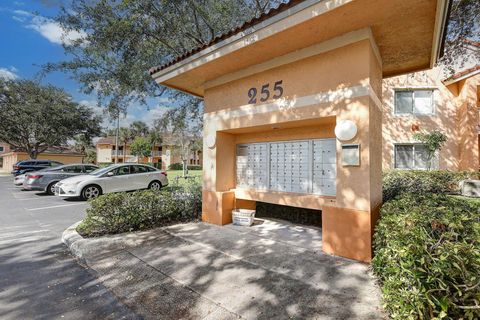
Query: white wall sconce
[[345, 130], [210, 141]]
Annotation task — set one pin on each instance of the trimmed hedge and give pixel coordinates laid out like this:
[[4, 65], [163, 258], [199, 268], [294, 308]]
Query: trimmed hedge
[[175, 166], [427, 256], [396, 182], [124, 212]]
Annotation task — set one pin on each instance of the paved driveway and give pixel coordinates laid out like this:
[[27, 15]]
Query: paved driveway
[[200, 271], [39, 279]]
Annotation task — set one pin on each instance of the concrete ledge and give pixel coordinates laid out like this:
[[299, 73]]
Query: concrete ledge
[[87, 248], [470, 188], [74, 241]]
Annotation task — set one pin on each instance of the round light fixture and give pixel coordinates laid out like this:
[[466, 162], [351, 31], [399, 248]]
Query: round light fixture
[[345, 130], [210, 141]]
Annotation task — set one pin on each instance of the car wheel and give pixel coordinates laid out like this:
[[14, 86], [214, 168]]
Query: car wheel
[[51, 188], [155, 185], [91, 192]]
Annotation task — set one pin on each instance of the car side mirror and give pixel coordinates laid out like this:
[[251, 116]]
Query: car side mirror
[[110, 174]]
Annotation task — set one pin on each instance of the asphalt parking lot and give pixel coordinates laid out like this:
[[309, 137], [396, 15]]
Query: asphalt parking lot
[[39, 278]]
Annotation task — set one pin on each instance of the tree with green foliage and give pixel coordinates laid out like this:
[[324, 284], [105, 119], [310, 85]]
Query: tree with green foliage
[[140, 147], [185, 128], [85, 147], [124, 137], [154, 138], [36, 117], [90, 156], [139, 129], [122, 40], [433, 142], [462, 40]]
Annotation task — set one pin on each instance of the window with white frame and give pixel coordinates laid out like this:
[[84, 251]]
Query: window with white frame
[[1, 149], [416, 102], [412, 156]]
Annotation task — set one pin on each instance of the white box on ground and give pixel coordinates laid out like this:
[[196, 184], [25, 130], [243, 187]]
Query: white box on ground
[[243, 217]]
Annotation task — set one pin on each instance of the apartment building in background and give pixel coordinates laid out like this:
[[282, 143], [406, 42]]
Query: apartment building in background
[[162, 155], [10, 156], [426, 101]]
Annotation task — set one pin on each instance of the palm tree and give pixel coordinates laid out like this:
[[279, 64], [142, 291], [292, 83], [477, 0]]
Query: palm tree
[[124, 137], [139, 128], [154, 138], [82, 144]]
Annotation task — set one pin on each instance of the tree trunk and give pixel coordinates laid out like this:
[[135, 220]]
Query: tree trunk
[[33, 154], [185, 169]]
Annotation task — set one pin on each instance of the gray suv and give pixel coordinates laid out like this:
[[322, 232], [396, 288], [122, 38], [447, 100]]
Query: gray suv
[[45, 180]]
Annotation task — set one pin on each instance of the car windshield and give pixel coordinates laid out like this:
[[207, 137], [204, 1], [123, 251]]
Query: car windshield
[[101, 171]]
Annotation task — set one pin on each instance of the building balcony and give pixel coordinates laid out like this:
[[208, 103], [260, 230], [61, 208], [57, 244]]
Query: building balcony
[[120, 153]]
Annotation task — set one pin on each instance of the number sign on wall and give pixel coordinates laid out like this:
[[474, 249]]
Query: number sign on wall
[[264, 94]]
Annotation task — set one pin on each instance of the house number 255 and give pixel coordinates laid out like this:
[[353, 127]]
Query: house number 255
[[265, 92]]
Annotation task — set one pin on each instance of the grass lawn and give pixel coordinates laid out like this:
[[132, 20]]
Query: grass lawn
[[173, 174]]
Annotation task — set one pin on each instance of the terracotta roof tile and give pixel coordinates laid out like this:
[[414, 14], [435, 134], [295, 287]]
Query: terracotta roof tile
[[462, 73], [256, 20]]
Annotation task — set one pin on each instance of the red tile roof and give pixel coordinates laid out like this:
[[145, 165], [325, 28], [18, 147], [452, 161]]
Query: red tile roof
[[463, 73], [256, 20]]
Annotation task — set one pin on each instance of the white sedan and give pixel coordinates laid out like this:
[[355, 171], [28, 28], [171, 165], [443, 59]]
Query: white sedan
[[114, 178]]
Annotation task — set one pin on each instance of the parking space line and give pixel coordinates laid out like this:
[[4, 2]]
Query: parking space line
[[52, 207], [20, 234]]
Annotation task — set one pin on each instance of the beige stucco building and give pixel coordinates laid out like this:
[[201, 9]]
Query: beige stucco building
[[163, 154], [10, 157], [293, 108], [427, 101]]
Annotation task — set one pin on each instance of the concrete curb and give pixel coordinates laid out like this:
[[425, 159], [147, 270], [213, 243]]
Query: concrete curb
[[74, 241], [85, 249]]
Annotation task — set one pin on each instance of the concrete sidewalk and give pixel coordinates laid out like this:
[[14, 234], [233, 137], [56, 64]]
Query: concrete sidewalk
[[201, 271]]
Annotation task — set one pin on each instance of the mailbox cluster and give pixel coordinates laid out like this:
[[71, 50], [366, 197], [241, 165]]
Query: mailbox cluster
[[252, 166], [289, 166], [324, 166], [305, 166]]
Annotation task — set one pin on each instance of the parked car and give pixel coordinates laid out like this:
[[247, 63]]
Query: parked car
[[25, 166], [45, 180], [18, 180], [114, 178]]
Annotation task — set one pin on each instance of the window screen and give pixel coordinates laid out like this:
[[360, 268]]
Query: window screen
[[412, 156], [414, 102]]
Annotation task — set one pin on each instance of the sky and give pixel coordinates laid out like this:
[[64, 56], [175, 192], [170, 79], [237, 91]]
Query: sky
[[29, 41]]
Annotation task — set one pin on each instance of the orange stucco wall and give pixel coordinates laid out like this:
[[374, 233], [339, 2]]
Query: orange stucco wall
[[456, 114], [340, 84], [468, 103]]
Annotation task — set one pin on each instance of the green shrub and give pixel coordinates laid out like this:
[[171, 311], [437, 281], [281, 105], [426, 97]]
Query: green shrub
[[427, 257], [396, 182], [175, 166], [194, 167], [124, 212]]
